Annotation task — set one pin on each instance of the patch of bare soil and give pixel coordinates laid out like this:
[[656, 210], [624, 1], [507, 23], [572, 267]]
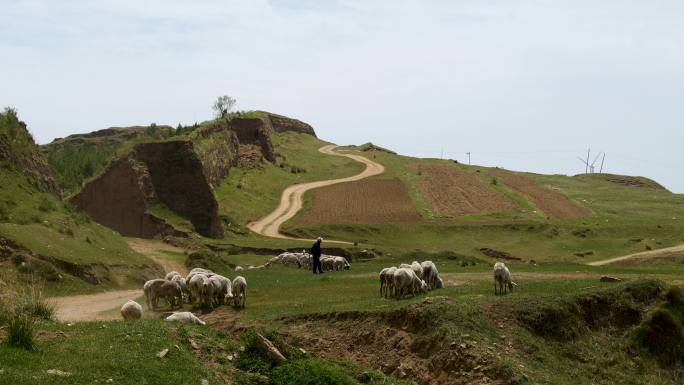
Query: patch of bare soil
[[451, 191], [364, 201], [549, 201], [153, 249], [92, 307], [394, 343]]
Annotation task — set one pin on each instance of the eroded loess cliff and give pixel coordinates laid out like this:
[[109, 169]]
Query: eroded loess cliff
[[180, 175], [170, 173]]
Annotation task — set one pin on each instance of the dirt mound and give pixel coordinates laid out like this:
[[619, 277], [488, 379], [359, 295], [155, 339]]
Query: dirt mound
[[167, 172], [451, 191], [549, 201], [364, 201]]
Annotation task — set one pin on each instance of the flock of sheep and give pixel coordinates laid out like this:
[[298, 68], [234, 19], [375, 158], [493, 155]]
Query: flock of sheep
[[304, 260], [201, 286], [417, 278], [410, 279], [204, 287]]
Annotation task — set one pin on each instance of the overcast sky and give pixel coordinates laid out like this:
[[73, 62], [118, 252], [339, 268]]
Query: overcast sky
[[526, 85]]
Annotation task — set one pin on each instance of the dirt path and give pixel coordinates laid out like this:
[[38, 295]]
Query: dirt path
[[644, 254], [100, 306], [91, 307], [154, 249], [291, 201]]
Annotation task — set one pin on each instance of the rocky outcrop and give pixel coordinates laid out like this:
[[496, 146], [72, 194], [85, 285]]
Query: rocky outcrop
[[254, 132], [279, 123], [165, 172], [18, 149]]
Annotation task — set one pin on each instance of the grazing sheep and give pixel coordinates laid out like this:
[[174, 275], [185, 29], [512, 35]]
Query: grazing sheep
[[185, 317], [239, 291], [327, 262], [172, 274], [405, 266], [305, 260], [239, 268], [387, 282], [148, 289], [431, 275], [131, 310], [407, 282], [503, 282], [195, 284], [170, 291], [341, 263], [225, 290], [417, 268], [439, 284], [183, 285], [209, 292]]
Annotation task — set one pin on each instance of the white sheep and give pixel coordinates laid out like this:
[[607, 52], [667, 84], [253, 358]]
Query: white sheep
[[149, 287], [195, 284], [239, 291], [387, 282], [131, 310], [185, 317], [417, 268], [431, 275], [407, 282], [340, 263], [172, 274], [239, 268], [503, 281]]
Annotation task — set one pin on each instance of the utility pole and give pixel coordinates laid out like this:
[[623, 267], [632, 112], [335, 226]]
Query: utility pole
[[442, 155], [468, 157]]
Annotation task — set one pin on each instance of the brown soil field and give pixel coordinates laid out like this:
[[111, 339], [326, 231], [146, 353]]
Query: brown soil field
[[549, 201], [364, 201], [451, 191]]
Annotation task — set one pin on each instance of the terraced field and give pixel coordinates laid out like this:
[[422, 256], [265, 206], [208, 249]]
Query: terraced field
[[452, 191], [364, 201]]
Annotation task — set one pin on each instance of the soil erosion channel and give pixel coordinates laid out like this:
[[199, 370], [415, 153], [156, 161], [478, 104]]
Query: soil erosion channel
[[292, 199]]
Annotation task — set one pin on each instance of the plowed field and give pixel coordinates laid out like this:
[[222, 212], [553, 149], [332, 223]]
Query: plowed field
[[364, 201], [549, 201], [451, 191]]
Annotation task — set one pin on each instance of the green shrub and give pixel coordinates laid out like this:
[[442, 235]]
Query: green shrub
[[46, 205], [32, 303], [311, 372], [662, 336], [21, 330]]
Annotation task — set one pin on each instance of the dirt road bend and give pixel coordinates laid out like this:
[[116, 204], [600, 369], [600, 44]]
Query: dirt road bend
[[292, 199], [102, 306]]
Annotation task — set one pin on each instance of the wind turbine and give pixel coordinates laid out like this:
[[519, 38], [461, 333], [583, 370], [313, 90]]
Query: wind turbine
[[586, 162], [591, 166]]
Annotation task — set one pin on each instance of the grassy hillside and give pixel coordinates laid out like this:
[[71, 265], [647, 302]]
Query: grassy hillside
[[51, 237], [623, 219]]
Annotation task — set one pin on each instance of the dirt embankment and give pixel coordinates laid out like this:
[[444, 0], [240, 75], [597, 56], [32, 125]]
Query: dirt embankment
[[551, 202], [365, 201], [451, 191], [398, 343]]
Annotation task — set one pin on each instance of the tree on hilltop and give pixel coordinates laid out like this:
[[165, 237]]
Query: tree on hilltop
[[223, 105]]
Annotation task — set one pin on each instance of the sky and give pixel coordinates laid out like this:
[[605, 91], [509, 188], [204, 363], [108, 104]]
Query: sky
[[525, 85]]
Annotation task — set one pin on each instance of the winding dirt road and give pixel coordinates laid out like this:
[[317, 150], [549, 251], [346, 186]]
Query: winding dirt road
[[664, 252], [292, 199]]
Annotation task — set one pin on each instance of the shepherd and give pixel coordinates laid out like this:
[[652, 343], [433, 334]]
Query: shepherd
[[316, 253]]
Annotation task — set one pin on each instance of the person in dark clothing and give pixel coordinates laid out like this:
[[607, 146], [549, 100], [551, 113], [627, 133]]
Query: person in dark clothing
[[316, 253]]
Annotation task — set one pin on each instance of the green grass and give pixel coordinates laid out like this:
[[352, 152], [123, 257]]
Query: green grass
[[97, 351]]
